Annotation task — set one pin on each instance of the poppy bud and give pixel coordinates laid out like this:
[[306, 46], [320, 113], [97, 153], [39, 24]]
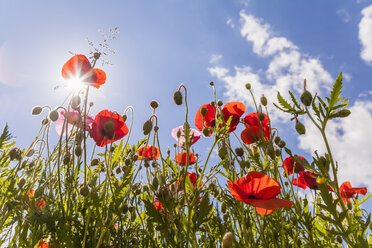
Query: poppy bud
[[75, 102], [278, 152], [281, 143], [270, 152], [66, 159], [78, 151], [137, 191], [219, 103], [263, 100], [206, 132], [84, 190], [79, 137], [203, 111], [96, 55], [277, 140], [127, 162], [239, 151], [146, 188], [245, 164], [118, 170], [155, 182], [21, 182], [135, 157], [45, 121], [36, 110], [341, 113], [94, 162], [223, 207], [156, 128], [131, 209], [300, 128], [91, 104], [261, 116], [125, 117], [154, 104], [227, 240], [109, 126], [222, 152], [178, 133], [323, 164], [339, 239], [306, 98], [53, 115], [147, 164], [248, 86], [15, 153], [154, 164], [125, 208], [213, 103], [147, 127], [177, 98], [30, 153], [211, 84]]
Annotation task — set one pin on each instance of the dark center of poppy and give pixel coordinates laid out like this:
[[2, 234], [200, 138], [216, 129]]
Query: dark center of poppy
[[252, 197], [108, 135]]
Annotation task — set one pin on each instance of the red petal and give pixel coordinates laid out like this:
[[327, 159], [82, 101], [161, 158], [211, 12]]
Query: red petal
[[208, 118], [98, 78], [233, 108], [251, 119], [77, 66], [264, 207]]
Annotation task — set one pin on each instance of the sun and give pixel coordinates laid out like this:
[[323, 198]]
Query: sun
[[75, 84]]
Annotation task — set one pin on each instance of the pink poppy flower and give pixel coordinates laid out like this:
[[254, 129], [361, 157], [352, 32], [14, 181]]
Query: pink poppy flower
[[75, 119], [194, 135]]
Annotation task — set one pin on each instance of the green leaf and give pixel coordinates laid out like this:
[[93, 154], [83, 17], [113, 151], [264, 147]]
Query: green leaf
[[336, 91], [5, 136], [284, 103], [294, 99]]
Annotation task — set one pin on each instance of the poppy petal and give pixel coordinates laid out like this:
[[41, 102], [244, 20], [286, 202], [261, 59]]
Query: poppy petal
[[76, 66], [98, 78], [264, 207], [208, 118]]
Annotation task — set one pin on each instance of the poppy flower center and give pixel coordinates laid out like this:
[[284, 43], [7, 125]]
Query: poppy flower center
[[108, 135], [253, 197]]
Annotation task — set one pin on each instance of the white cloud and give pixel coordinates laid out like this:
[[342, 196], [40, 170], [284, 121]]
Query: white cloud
[[365, 34], [346, 76], [350, 141], [286, 70], [215, 58], [344, 15], [230, 23]]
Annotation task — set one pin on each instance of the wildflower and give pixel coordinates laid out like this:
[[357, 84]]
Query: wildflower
[[348, 192], [150, 152], [231, 109], [158, 206], [74, 119], [306, 179], [254, 130], [290, 165], [79, 68], [181, 158], [108, 127], [260, 191], [29, 195], [42, 244], [192, 177], [194, 135]]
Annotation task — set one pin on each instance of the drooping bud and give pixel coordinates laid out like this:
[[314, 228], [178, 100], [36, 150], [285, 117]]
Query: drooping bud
[[75, 102], [15, 153], [203, 111], [263, 100], [177, 98], [154, 104], [227, 240], [248, 86], [109, 126], [281, 144], [147, 127], [66, 159], [306, 97], [206, 132], [96, 55], [53, 115], [300, 128], [156, 128], [125, 117], [239, 151], [211, 84], [45, 121], [36, 110], [277, 140], [219, 103]]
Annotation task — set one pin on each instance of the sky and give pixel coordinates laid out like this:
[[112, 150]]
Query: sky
[[271, 44]]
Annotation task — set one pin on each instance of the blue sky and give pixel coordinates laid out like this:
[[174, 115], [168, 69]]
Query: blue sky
[[271, 44]]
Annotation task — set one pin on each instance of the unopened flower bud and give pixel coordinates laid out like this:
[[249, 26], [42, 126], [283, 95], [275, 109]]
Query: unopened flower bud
[[96, 55], [177, 98], [300, 128], [30, 152], [211, 83], [156, 128], [263, 100], [125, 208], [53, 115], [213, 103], [154, 164], [127, 162], [219, 103], [227, 240], [245, 164], [223, 207], [125, 117], [91, 104], [94, 162], [341, 113], [248, 86], [118, 170], [239, 151], [21, 182], [261, 116], [147, 127], [66, 159], [306, 98], [75, 102], [78, 151], [222, 152], [178, 133], [277, 140], [84, 190], [203, 111], [154, 104], [270, 152], [45, 121], [109, 126], [15, 153], [281, 143], [206, 132], [278, 152], [155, 182], [36, 110]]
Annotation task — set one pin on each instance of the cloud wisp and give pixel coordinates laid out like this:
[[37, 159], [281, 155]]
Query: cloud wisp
[[365, 35]]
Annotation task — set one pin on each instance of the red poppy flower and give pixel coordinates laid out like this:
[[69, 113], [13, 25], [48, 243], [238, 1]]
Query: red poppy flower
[[102, 133], [291, 166], [29, 195], [150, 152], [260, 191], [42, 244], [306, 179], [253, 130], [78, 67], [234, 109], [181, 158], [348, 192]]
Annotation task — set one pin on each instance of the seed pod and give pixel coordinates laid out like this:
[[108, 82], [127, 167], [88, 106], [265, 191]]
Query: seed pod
[[75, 102], [239, 151], [94, 162], [300, 128], [53, 115], [177, 98], [282, 144], [306, 98], [109, 126], [248, 86], [227, 240], [154, 104], [263, 100], [36, 110]]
